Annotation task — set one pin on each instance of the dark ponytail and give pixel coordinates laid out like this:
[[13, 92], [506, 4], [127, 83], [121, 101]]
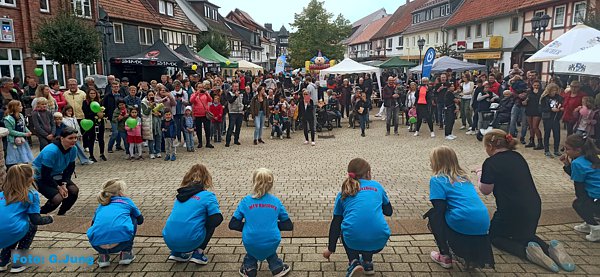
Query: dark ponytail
[[587, 147]]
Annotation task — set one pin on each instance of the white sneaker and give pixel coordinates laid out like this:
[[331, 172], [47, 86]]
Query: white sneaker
[[145, 143], [582, 228], [453, 136], [470, 132], [432, 134], [306, 142], [449, 137], [152, 156], [463, 127], [86, 149], [158, 155], [4, 268], [383, 118], [271, 137], [416, 134], [280, 137], [87, 163], [312, 143], [594, 233], [184, 145]]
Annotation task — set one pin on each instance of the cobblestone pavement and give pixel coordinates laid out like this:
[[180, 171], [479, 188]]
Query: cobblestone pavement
[[406, 255], [308, 178]]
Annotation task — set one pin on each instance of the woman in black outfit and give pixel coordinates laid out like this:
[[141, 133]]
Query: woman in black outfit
[[97, 131], [306, 110], [424, 103], [518, 204], [551, 106], [534, 115], [361, 108]]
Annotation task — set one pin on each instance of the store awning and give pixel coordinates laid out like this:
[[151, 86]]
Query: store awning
[[396, 62], [159, 54], [483, 55], [210, 54]]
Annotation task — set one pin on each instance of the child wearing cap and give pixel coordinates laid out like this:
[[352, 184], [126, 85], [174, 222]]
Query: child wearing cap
[[188, 129], [275, 121]]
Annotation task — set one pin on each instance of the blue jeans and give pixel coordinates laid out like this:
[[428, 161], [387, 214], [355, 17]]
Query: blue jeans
[[154, 145], [189, 139], [125, 246], [439, 114], [363, 121], [114, 137], [123, 135], [275, 262], [235, 121], [81, 154], [518, 112], [276, 130], [178, 121], [259, 123], [216, 131]]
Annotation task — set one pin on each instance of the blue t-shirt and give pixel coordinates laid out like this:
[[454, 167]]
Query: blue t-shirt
[[185, 230], [465, 212], [582, 172], [364, 226], [52, 157], [261, 234], [14, 222], [113, 222]]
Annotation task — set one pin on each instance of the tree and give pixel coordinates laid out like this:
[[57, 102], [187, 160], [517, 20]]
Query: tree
[[217, 41], [592, 17], [446, 50], [67, 39], [317, 30]]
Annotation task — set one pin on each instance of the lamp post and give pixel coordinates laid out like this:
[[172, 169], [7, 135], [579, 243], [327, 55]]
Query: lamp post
[[539, 25], [421, 43], [268, 62], [105, 27]]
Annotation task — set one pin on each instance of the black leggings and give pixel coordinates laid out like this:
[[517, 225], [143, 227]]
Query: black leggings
[[23, 243], [587, 209], [90, 136], [352, 254], [449, 118], [310, 123], [424, 113], [551, 125], [515, 245], [55, 199], [199, 121]]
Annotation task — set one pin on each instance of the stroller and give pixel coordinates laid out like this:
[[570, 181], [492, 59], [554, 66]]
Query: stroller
[[325, 118], [494, 118]]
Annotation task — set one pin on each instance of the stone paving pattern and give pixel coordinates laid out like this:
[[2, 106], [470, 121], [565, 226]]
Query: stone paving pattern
[[406, 255]]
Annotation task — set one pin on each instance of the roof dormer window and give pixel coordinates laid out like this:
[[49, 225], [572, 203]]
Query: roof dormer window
[[165, 7]]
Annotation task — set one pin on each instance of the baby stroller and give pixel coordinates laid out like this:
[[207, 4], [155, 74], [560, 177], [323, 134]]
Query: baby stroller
[[325, 118], [494, 118]]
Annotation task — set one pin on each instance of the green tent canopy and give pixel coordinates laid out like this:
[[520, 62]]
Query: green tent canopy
[[210, 54], [396, 62]]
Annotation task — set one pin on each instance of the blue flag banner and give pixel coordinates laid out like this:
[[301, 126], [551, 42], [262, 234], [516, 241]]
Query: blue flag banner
[[428, 62], [280, 66]]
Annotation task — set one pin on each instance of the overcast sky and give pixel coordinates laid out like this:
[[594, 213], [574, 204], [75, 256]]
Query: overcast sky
[[282, 11]]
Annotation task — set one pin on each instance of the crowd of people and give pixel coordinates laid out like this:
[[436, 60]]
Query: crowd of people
[[164, 115]]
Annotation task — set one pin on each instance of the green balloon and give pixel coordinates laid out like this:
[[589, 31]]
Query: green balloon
[[87, 124], [38, 71], [131, 122], [412, 120], [95, 107]]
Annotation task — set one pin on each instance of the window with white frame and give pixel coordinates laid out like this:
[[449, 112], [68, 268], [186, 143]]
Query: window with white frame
[[118, 32], [478, 30], [206, 12], [162, 7], [165, 36], [447, 9], [443, 10], [539, 13], [490, 28], [191, 40], [170, 8], [468, 32], [82, 71], [514, 24], [52, 71], [400, 41], [82, 8], [146, 36], [44, 6], [389, 43], [214, 14], [559, 16], [11, 63], [10, 3], [579, 10]]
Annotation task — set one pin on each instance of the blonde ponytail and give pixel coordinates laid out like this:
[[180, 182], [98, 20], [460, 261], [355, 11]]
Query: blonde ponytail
[[112, 187], [350, 187]]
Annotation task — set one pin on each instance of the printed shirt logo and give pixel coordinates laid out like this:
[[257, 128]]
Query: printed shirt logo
[[268, 206], [369, 188]]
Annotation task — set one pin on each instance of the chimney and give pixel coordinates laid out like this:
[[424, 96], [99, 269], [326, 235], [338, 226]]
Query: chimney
[[269, 26]]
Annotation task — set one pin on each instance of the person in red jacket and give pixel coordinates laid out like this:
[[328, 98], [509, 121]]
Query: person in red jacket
[[242, 80], [200, 100], [217, 110], [572, 100], [494, 86]]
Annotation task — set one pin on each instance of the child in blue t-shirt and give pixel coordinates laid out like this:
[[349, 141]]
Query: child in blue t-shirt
[[358, 215], [20, 210], [115, 224], [583, 164], [265, 216], [458, 220], [194, 217]]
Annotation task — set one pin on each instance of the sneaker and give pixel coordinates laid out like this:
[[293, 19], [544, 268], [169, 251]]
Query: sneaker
[[86, 149], [312, 143], [470, 132], [185, 145], [199, 258], [443, 260], [280, 137], [176, 144], [226, 144], [103, 157], [582, 228], [450, 137], [387, 133], [560, 256], [416, 134], [432, 134], [453, 136], [594, 235], [362, 135], [110, 151], [354, 268], [558, 154], [548, 154], [93, 159], [173, 157], [4, 266], [463, 127], [237, 143], [152, 156], [103, 260], [126, 258], [145, 143], [180, 257], [271, 137], [536, 255], [88, 162], [282, 271], [209, 146], [18, 269], [248, 272], [306, 142], [368, 267], [158, 155], [167, 157], [261, 141]]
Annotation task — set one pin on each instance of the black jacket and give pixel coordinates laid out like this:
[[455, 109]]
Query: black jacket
[[306, 112], [546, 107]]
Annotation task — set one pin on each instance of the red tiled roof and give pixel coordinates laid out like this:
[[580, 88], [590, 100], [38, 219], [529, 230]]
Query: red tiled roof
[[427, 25], [400, 20], [475, 10], [242, 18], [132, 10], [369, 31], [178, 21], [532, 3]]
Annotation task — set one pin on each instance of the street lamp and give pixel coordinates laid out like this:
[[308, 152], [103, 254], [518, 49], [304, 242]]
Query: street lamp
[[539, 25], [105, 27], [420, 43]]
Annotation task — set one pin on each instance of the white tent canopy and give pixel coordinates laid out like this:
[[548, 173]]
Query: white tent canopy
[[442, 63], [246, 65], [577, 39], [586, 62], [349, 66]]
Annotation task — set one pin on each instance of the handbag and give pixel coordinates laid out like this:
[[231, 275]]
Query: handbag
[[209, 115]]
